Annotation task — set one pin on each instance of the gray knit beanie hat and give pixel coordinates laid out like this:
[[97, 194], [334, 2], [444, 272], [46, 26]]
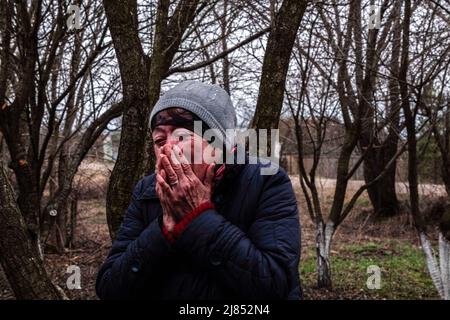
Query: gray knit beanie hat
[[209, 102]]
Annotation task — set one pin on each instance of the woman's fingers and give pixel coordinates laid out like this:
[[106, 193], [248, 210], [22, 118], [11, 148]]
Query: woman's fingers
[[158, 164], [172, 176], [162, 183], [209, 177], [171, 156], [185, 165]]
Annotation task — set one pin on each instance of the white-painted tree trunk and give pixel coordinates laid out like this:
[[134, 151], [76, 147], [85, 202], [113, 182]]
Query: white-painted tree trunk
[[323, 241], [439, 271]]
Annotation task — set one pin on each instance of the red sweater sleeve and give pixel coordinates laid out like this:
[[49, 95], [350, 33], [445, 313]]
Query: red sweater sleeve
[[180, 226]]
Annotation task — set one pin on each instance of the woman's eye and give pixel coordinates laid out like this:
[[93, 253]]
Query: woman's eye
[[183, 136], [159, 142]]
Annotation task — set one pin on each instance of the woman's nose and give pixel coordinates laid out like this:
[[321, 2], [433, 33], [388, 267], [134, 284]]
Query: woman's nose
[[171, 141], [168, 146]]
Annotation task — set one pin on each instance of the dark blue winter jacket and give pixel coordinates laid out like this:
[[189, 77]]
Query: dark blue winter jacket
[[247, 247]]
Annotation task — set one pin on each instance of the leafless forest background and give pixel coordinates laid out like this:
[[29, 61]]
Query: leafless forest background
[[358, 88]]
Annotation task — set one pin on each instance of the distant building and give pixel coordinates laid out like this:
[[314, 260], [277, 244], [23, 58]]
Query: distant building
[[111, 146], [331, 146]]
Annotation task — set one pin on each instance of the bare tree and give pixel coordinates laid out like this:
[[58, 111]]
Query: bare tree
[[18, 255], [284, 26], [425, 90], [39, 95], [329, 99], [142, 76], [141, 82]]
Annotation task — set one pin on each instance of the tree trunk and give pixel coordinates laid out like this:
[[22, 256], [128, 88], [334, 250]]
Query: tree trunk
[[225, 60], [29, 200], [439, 271], [73, 221], [324, 235], [350, 140], [410, 124], [18, 255], [141, 83], [65, 173], [276, 64], [61, 229], [2, 149], [382, 194], [122, 22]]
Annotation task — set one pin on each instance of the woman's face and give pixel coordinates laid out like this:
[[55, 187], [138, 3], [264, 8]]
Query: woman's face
[[197, 150]]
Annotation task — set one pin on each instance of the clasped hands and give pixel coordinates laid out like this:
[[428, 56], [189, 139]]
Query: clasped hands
[[178, 188]]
